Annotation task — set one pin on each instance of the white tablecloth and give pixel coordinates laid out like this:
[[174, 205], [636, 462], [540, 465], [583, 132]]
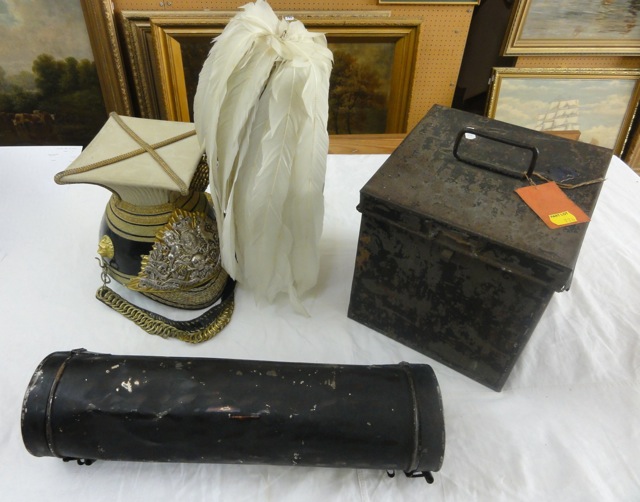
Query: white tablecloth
[[565, 427]]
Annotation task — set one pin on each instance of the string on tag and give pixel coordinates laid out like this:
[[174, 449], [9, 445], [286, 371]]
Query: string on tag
[[562, 184]]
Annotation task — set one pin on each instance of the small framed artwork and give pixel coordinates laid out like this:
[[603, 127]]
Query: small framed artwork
[[574, 27], [418, 2], [590, 105]]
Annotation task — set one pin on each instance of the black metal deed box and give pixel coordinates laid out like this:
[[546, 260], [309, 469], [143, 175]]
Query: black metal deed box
[[450, 261]]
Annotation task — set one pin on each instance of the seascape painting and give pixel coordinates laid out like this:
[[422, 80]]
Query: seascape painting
[[49, 88], [582, 19], [597, 109]]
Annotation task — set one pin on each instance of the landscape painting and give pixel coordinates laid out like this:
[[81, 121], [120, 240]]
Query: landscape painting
[[359, 90], [371, 78], [360, 87], [49, 88]]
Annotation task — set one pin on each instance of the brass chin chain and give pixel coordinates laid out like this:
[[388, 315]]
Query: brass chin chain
[[197, 330]]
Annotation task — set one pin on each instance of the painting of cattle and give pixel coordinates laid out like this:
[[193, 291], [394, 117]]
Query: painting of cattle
[[49, 88], [21, 128]]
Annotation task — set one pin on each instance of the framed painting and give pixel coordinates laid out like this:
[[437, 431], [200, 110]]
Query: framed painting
[[49, 88], [574, 27], [166, 54], [588, 105], [437, 2]]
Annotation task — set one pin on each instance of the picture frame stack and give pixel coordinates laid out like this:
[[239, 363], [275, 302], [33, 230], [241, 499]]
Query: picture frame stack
[[577, 72], [406, 54]]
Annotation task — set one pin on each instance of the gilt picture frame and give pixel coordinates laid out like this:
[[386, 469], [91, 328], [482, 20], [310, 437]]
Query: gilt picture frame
[[599, 27], [166, 54], [436, 2], [110, 65], [590, 105]]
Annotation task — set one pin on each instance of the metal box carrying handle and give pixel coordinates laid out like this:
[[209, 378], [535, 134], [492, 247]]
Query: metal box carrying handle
[[492, 166]]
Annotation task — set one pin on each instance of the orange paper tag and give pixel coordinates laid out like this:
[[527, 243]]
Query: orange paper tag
[[552, 205]]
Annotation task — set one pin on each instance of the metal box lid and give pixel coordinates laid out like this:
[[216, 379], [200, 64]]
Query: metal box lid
[[454, 178]]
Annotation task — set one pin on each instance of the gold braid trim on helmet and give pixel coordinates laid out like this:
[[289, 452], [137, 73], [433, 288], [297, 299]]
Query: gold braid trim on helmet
[[197, 330]]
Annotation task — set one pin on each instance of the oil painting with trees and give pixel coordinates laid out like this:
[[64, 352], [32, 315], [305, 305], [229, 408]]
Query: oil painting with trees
[[360, 86], [58, 102]]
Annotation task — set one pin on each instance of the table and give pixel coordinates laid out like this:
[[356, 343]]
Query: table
[[565, 427]]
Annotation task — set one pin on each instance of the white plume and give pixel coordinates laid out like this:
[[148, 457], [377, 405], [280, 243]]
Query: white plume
[[261, 111]]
